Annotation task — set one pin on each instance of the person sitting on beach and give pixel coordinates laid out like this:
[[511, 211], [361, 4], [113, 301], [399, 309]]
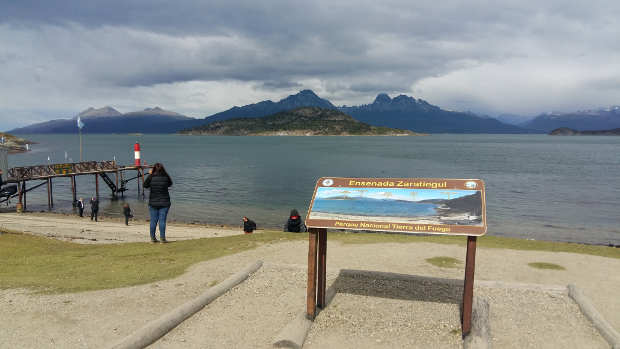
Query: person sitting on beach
[[94, 208], [294, 224], [248, 225], [127, 213], [80, 206], [158, 182]]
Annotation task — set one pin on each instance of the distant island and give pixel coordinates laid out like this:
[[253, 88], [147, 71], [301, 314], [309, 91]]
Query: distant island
[[305, 121], [14, 144], [565, 131]]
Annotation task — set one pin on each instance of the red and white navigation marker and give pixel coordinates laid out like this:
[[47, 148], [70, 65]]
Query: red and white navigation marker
[[136, 152]]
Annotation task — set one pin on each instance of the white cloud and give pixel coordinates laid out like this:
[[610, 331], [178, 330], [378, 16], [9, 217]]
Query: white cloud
[[199, 58]]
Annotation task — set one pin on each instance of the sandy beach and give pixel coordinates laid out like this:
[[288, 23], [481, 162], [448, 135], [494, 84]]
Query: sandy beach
[[365, 313], [106, 230]]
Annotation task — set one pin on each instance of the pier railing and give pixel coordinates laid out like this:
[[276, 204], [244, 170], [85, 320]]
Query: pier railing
[[57, 170]]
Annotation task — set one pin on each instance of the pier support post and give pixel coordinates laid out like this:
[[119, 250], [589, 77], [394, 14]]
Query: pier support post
[[97, 186], [142, 171], [19, 207], [73, 191], [138, 180], [49, 194], [24, 191], [122, 191]]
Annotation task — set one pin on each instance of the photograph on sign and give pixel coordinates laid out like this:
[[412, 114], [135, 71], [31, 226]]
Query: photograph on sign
[[401, 205]]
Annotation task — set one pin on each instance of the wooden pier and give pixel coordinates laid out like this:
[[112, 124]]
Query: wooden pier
[[47, 173]]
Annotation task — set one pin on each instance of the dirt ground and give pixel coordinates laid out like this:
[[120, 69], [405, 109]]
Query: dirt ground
[[364, 313]]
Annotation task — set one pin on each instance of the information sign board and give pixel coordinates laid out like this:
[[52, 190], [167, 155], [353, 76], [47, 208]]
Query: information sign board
[[403, 205], [63, 169]]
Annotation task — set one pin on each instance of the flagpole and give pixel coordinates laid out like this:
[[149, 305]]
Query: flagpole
[[81, 145], [80, 125]]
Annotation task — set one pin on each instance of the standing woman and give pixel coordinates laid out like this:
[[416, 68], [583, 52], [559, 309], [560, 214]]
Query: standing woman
[[159, 199]]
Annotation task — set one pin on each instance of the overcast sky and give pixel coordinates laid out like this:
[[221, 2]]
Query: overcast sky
[[522, 57]]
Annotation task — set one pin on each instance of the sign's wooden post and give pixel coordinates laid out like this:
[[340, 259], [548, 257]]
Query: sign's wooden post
[[468, 287], [322, 267], [312, 263]]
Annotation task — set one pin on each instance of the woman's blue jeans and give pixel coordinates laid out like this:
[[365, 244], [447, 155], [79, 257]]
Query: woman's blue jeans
[[158, 214]]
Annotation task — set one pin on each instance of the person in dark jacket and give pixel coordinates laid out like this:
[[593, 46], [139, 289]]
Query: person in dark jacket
[[127, 213], [294, 223], [158, 182], [1, 179], [248, 225], [94, 208], [80, 206]]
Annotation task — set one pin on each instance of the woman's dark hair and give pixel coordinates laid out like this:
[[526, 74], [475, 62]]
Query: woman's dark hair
[[158, 169], [294, 213]]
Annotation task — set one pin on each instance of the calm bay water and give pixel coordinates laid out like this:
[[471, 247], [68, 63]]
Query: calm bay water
[[539, 187]]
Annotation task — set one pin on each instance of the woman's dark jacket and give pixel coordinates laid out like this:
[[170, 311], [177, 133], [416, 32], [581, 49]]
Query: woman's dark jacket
[[249, 226], [126, 211], [295, 225], [159, 196], [94, 205]]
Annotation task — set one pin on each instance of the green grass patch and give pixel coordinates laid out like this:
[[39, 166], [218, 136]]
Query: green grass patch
[[444, 262], [545, 265], [53, 266]]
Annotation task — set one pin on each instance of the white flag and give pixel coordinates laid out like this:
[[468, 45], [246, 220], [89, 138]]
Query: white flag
[[80, 124]]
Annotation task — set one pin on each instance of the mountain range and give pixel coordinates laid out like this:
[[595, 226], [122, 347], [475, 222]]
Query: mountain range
[[416, 114], [587, 120], [110, 120], [401, 112]]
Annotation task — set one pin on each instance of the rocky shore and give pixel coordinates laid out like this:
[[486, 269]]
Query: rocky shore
[[14, 144]]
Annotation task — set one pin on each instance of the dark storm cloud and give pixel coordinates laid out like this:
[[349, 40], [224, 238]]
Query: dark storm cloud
[[445, 51]]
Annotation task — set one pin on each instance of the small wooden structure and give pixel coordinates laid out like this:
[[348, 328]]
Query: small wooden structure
[[46, 173]]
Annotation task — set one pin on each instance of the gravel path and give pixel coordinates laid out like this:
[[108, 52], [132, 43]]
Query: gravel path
[[363, 314], [532, 319]]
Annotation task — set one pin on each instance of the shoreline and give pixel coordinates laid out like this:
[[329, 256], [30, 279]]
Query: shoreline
[[199, 225]]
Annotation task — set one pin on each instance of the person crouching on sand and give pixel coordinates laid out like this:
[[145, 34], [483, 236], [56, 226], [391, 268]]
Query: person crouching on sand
[[248, 225], [158, 182], [294, 223], [127, 213]]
